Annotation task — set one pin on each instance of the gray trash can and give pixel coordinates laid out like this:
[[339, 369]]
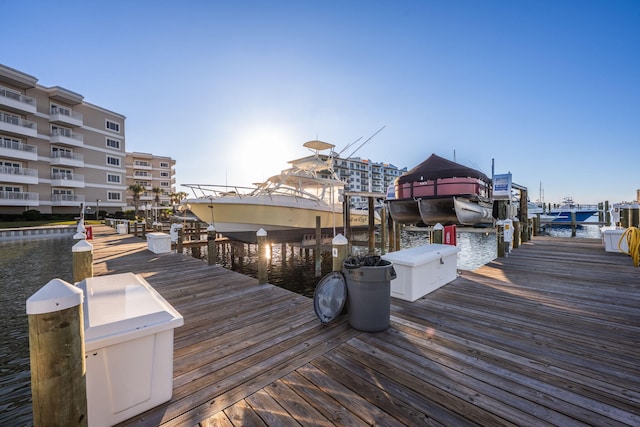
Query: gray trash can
[[369, 292]]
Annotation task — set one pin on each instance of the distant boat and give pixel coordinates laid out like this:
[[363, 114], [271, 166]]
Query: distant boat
[[285, 206], [563, 213], [441, 191]]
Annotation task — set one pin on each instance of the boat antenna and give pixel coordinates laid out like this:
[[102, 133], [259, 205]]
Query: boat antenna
[[367, 140], [349, 145]]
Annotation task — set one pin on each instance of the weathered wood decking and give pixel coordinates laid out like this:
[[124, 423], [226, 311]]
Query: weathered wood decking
[[548, 336]]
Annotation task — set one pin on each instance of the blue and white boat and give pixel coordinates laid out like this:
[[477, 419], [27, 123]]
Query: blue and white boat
[[563, 213]]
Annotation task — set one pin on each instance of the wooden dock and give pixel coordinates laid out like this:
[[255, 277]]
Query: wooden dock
[[548, 336]]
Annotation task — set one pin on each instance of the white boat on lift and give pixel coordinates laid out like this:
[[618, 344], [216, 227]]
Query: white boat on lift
[[286, 205]]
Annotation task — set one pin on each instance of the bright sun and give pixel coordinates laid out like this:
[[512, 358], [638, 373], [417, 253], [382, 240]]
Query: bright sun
[[260, 152]]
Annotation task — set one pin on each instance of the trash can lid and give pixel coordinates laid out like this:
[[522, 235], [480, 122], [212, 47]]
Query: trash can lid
[[330, 296]]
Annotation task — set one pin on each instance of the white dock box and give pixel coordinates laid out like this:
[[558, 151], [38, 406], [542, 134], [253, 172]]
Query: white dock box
[[121, 228], [611, 239], [422, 269], [159, 243], [128, 329]]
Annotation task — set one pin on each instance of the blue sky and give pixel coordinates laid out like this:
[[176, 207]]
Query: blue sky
[[550, 90]]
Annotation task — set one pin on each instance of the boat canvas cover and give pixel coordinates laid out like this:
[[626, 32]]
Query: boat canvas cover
[[436, 167]]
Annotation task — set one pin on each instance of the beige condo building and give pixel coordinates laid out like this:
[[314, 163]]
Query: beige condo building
[[152, 172], [57, 151]]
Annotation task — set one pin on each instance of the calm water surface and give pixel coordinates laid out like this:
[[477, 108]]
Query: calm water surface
[[25, 266]]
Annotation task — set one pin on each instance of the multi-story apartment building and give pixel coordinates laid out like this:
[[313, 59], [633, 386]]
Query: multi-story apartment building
[[363, 175], [57, 151], [152, 173]]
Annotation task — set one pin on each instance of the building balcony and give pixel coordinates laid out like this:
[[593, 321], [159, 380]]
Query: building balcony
[[17, 102], [63, 158], [18, 175], [142, 165], [65, 116], [60, 136], [67, 180], [17, 126], [19, 198], [66, 199], [18, 150]]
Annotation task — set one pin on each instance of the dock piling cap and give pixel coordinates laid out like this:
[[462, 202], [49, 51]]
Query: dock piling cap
[[57, 295], [82, 246]]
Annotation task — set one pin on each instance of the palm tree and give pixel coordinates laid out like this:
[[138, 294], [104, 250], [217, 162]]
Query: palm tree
[[137, 190], [177, 197], [157, 191]]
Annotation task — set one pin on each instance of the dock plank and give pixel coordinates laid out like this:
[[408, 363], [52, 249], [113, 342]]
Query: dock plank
[[546, 336]]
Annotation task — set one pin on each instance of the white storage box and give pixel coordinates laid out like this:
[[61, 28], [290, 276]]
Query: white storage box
[[422, 269], [159, 243], [128, 329], [121, 228], [611, 239]]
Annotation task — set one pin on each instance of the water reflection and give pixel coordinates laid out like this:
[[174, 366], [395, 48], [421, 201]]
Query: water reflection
[[26, 266]]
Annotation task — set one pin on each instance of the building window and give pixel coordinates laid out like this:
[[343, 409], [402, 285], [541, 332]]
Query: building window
[[113, 179], [113, 143], [164, 184], [113, 126], [113, 161], [112, 195], [164, 164], [164, 174]]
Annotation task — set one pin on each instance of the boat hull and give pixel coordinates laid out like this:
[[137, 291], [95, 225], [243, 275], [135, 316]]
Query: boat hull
[[473, 212], [284, 219], [564, 216], [404, 211], [437, 211]]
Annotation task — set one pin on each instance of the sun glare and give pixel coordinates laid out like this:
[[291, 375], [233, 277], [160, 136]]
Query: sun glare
[[260, 152]]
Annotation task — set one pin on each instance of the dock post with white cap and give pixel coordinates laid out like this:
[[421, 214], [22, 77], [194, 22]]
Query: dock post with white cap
[[82, 260], [56, 346], [339, 251], [437, 233]]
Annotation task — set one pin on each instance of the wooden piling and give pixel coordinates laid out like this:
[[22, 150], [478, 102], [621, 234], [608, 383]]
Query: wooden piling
[[536, 225], [573, 224], [317, 255], [437, 233], [516, 233], [82, 257], [180, 242], [263, 253], [396, 236], [211, 245], [383, 231], [372, 229], [56, 347], [339, 251], [500, 238]]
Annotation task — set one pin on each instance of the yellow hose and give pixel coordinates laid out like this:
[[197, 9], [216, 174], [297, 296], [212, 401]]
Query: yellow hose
[[632, 235]]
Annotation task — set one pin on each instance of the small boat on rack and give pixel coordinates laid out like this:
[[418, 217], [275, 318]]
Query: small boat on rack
[[285, 206], [441, 191]]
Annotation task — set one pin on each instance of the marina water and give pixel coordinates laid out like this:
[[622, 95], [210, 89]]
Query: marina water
[[27, 265]]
